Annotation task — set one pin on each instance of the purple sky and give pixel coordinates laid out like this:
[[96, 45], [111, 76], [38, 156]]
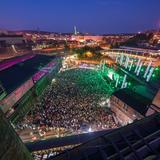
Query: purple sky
[[93, 16]]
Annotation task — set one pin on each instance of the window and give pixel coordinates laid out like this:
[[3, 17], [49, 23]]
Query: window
[[125, 106]]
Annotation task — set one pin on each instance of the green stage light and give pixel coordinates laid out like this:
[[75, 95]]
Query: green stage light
[[156, 68], [153, 75]]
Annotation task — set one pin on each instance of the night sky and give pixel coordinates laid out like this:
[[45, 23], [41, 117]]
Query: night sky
[[93, 16]]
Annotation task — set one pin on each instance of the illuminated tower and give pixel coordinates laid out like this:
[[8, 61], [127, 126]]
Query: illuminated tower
[[75, 30]]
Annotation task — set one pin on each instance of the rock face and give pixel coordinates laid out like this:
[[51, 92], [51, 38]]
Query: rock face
[[11, 146]]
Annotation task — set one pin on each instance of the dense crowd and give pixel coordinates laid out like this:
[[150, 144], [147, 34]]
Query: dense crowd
[[72, 103]]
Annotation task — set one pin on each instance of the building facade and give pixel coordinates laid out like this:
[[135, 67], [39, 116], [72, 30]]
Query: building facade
[[128, 106]]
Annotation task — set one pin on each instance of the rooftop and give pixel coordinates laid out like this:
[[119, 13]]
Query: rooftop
[[134, 100], [139, 140], [11, 78]]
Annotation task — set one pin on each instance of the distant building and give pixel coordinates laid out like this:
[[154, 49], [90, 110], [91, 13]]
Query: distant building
[[106, 39], [12, 45], [11, 40], [3, 31], [128, 106], [82, 38], [156, 37]]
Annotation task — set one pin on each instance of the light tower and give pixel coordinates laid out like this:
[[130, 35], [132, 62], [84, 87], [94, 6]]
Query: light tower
[[75, 30]]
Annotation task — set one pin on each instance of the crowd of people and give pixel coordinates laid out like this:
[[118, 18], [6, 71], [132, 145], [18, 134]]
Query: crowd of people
[[71, 103]]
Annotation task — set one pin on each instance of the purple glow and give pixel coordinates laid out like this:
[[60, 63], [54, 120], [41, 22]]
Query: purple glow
[[12, 98], [45, 70], [9, 63], [37, 76]]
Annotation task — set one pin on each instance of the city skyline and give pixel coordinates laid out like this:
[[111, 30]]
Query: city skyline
[[96, 16], [79, 79]]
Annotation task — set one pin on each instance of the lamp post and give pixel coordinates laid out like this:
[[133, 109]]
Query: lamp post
[[124, 81], [147, 70], [130, 67], [137, 66], [150, 74]]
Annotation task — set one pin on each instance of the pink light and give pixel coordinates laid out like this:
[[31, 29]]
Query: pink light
[[9, 63], [45, 70], [12, 98]]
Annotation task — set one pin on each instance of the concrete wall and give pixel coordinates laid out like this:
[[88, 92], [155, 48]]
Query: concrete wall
[[156, 100], [124, 113], [11, 146]]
